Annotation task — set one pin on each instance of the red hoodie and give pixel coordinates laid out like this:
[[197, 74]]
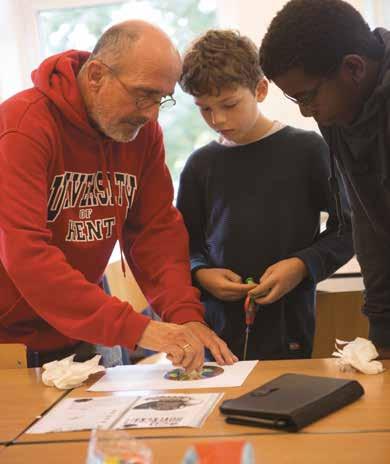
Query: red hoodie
[[67, 194]]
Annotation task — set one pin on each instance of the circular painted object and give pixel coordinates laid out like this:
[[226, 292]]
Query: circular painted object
[[205, 373]]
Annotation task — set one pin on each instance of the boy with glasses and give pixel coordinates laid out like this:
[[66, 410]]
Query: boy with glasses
[[351, 106], [251, 201]]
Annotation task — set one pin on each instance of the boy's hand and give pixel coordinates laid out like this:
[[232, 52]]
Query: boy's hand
[[224, 284], [210, 340], [279, 279]]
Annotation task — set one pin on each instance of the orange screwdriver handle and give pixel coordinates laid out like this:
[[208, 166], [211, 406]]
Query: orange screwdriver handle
[[250, 308]]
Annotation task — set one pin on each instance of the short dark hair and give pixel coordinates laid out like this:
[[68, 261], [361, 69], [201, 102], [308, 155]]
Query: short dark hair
[[315, 35], [219, 59]]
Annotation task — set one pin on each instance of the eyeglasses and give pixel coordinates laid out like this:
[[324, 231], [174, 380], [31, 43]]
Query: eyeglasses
[[143, 103], [307, 97]]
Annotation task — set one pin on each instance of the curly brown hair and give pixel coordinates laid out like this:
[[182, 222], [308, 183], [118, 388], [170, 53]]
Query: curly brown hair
[[220, 59]]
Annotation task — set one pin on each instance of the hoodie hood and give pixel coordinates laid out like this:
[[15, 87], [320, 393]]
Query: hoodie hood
[[56, 77], [356, 143], [382, 89], [370, 127]]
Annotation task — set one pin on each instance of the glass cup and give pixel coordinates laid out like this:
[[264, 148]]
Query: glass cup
[[117, 447]]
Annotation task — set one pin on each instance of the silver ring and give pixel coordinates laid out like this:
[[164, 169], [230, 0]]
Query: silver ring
[[186, 347]]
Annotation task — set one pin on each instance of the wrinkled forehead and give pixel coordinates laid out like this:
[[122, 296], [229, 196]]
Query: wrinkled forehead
[[152, 66]]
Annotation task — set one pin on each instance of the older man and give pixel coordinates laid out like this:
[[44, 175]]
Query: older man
[[81, 167]]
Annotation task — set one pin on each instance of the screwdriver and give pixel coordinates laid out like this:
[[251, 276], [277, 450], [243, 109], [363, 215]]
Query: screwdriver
[[250, 308]]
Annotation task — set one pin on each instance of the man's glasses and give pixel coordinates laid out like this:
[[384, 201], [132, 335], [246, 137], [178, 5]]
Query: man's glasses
[[143, 103], [306, 98]]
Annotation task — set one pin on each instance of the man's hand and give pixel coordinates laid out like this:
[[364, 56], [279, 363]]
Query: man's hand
[[218, 347], [183, 348], [279, 279], [224, 284]]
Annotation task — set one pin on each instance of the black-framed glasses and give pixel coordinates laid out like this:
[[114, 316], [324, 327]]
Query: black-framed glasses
[[307, 97], [143, 103]]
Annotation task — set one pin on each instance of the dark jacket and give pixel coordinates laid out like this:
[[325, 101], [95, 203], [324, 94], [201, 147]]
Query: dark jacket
[[363, 155]]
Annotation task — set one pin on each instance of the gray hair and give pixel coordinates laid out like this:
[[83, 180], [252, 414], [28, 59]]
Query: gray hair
[[116, 41]]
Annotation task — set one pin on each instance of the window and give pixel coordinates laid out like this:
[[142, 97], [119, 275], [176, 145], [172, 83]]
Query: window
[[376, 13], [64, 28]]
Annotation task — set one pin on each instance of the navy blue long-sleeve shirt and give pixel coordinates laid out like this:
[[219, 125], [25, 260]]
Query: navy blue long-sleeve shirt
[[247, 207]]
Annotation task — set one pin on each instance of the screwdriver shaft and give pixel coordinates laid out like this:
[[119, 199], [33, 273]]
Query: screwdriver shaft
[[246, 342]]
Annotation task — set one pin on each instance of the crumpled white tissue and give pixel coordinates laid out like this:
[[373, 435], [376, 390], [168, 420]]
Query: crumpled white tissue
[[66, 373], [359, 354]]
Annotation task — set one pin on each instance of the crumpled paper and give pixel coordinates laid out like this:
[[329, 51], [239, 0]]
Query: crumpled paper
[[358, 354], [66, 373]]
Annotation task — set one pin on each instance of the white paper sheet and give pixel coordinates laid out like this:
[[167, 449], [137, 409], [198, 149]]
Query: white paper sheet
[[169, 410], [125, 412], [151, 377], [83, 414]]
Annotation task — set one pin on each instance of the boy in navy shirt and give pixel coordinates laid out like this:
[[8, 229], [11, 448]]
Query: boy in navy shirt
[[251, 202]]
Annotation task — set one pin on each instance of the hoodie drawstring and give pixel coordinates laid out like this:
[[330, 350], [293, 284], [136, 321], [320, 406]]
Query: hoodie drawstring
[[107, 185], [335, 189]]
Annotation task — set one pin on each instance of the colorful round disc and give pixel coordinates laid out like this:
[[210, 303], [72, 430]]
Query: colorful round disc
[[205, 373]]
